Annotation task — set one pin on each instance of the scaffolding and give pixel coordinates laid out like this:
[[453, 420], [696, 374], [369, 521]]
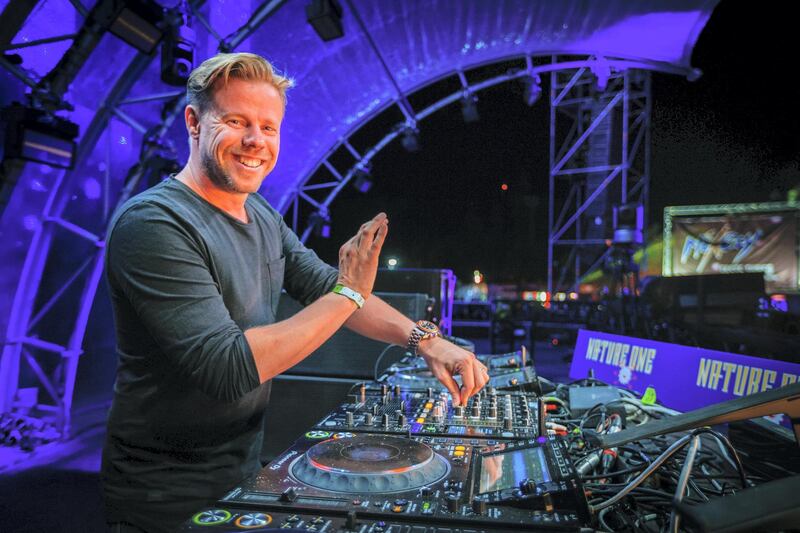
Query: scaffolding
[[599, 161]]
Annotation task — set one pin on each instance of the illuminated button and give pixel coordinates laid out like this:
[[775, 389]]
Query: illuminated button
[[461, 447], [253, 520], [292, 518], [397, 509], [458, 453], [428, 405], [421, 420], [211, 517]]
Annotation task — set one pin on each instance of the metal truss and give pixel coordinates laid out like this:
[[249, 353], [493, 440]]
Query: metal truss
[[599, 159], [54, 362]]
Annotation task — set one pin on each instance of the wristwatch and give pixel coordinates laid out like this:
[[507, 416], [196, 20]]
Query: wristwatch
[[423, 329]]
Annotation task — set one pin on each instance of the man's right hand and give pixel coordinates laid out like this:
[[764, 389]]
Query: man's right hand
[[358, 257]]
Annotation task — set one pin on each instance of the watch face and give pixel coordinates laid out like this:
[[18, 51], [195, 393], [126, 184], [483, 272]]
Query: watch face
[[428, 327]]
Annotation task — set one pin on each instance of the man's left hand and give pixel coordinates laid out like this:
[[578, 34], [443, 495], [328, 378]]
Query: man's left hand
[[446, 360]]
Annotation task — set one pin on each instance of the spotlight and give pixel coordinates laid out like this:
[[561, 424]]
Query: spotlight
[[410, 139], [134, 21], [320, 223], [34, 135], [469, 108], [325, 16], [362, 181], [177, 54], [629, 224], [532, 90]]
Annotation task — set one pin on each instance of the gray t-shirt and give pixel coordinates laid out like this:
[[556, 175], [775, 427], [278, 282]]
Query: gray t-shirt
[[186, 280]]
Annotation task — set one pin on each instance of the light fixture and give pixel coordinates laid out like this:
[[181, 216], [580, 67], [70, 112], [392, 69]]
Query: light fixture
[[532, 90], [362, 180], [134, 21], [410, 139], [35, 135], [629, 224], [325, 16], [469, 108], [177, 52], [320, 222]]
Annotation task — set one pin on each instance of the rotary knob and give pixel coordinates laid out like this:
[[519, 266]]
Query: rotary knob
[[376, 409], [401, 420], [492, 411], [430, 392], [368, 419], [476, 410], [384, 389], [478, 505], [349, 416], [453, 502], [458, 411], [385, 421], [508, 424], [397, 390]]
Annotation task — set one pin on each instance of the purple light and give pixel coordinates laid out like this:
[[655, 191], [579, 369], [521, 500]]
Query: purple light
[[91, 188], [30, 222]]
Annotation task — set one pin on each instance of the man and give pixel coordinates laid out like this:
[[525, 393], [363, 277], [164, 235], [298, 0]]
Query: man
[[195, 267]]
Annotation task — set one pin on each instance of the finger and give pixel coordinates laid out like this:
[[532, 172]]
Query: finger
[[468, 380], [380, 237], [480, 376], [447, 380], [369, 232]]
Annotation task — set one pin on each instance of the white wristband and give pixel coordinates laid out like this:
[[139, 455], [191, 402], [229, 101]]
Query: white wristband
[[349, 293]]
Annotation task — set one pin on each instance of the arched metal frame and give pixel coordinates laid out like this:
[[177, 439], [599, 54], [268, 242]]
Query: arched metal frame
[[22, 339]]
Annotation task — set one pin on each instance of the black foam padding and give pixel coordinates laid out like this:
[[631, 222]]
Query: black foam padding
[[771, 506]]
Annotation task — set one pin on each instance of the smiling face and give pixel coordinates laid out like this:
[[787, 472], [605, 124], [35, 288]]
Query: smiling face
[[237, 139]]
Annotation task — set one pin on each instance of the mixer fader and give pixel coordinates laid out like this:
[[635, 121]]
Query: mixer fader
[[488, 414]]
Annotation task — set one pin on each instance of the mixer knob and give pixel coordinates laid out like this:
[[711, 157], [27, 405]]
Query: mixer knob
[[397, 390], [363, 392], [385, 399], [403, 405], [491, 390], [368, 419], [492, 411], [458, 411], [478, 505], [508, 424], [476, 410], [426, 492], [349, 415], [384, 389], [376, 409], [453, 501], [401, 420], [430, 392], [385, 420]]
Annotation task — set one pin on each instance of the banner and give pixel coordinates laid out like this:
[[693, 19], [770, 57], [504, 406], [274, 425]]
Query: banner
[[683, 377], [731, 240]]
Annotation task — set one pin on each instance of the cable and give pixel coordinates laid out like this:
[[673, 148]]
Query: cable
[[683, 480], [669, 452], [378, 360]]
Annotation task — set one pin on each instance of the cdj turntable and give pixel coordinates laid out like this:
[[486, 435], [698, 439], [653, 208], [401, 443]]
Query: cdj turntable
[[384, 483], [510, 371], [488, 414]]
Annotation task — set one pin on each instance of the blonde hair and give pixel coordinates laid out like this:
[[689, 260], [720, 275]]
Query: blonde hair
[[242, 65]]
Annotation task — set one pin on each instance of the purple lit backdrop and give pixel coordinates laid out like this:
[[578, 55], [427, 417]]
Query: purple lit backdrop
[[340, 85]]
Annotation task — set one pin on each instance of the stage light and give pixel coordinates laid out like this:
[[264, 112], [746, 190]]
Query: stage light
[[177, 53], [320, 222], [134, 21], [35, 135], [469, 108], [392, 262], [362, 181], [532, 90], [325, 16], [629, 224], [504, 187], [410, 139]]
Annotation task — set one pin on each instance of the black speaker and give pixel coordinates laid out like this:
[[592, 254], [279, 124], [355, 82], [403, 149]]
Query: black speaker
[[348, 354], [438, 284]]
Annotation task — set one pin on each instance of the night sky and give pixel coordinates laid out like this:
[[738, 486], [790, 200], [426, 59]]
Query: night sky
[[732, 136]]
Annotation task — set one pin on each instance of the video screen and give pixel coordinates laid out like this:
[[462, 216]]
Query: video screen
[[507, 470]]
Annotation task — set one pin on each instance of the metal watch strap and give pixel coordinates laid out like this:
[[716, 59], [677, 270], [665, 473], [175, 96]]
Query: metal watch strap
[[347, 292]]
